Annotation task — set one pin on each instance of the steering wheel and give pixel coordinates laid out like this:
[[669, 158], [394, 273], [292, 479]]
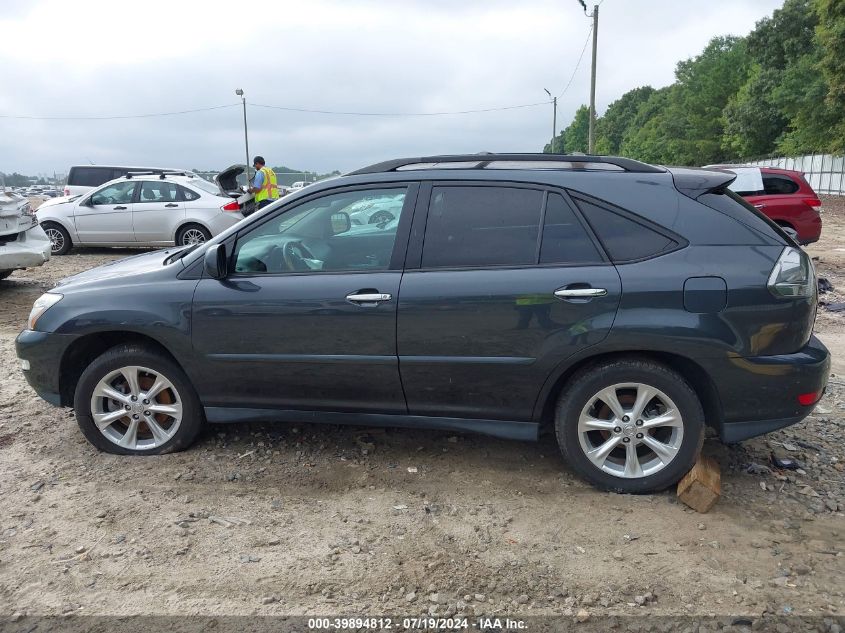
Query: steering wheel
[[295, 255]]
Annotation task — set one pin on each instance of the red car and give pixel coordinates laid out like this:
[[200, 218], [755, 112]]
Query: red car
[[784, 196]]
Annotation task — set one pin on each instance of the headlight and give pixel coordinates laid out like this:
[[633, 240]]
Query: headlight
[[41, 305]]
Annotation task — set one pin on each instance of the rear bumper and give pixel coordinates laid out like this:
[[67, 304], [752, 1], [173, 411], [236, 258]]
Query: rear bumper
[[760, 394], [31, 248], [43, 352]]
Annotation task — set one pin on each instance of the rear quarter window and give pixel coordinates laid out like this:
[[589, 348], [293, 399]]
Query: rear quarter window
[[735, 207], [774, 184], [623, 238]]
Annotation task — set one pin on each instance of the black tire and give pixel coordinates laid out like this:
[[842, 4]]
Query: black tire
[[136, 355], [60, 242], [188, 230], [5, 273], [589, 381]]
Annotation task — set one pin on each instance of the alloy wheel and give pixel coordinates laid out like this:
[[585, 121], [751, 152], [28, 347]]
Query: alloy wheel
[[192, 236], [136, 408], [630, 430], [57, 240]]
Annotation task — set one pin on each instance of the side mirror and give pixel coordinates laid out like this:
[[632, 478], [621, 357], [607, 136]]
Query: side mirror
[[790, 232], [86, 202], [215, 261], [341, 222]]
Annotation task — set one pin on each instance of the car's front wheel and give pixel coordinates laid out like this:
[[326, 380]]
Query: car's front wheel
[[630, 425], [60, 242], [135, 401]]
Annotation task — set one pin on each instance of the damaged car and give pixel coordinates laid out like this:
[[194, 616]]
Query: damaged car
[[23, 243]]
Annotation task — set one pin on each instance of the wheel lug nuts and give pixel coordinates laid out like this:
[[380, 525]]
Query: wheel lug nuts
[[625, 418], [639, 436], [617, 429], [127, 407], [626, 439], [148, 402], [134, 398], [146, 412], [639, 422], [135, 416]]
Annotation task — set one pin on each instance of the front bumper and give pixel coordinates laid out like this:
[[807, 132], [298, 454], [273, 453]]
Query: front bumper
[[44, 351], [31, 248], [760, 394]]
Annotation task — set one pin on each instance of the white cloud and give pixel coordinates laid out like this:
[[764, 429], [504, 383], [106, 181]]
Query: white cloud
[[97, 58]]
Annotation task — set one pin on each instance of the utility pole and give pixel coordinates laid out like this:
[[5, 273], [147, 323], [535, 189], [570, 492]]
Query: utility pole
[[554, 120], [240, 93], [591, 141]]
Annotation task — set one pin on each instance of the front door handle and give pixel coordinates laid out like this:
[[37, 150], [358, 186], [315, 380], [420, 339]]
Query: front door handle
[[120, 208], [368, 297], [759, 206], [580, 293], [171, 204]]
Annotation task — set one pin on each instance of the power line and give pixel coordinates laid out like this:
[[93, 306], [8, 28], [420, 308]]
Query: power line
[[578, 63], [110, 118], [397, 114]]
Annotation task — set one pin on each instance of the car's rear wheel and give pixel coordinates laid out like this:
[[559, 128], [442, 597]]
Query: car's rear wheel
[[629, 425], [60, 242], [191, 234], [135, 401]]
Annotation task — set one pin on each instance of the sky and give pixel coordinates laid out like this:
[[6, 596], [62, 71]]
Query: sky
[[91, 58]]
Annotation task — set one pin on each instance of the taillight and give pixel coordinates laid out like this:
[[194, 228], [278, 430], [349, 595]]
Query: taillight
[[793, 275], [232, 206], [814, 202], [67, 191], [806, 399]]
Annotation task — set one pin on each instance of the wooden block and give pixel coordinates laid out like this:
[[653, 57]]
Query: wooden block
[[701, 487]]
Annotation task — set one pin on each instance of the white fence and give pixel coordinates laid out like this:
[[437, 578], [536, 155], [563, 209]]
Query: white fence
[[824, 172]]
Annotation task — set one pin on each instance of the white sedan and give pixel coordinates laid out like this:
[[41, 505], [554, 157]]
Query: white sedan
[[157, 208]]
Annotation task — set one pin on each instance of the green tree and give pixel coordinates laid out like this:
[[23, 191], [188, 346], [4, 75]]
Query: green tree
[[575, 136], [615, 123]]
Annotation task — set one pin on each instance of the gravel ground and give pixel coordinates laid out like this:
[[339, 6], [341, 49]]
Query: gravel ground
[[319, 519]]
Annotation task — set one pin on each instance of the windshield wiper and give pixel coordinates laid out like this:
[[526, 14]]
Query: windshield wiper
[[180, 254]]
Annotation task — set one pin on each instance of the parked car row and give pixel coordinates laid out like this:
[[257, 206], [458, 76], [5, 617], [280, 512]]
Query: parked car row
[[617, 303]]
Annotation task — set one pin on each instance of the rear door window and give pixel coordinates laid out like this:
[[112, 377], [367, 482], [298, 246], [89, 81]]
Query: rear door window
[[565, 240], [158, 191], [469, 226], [623, 238]]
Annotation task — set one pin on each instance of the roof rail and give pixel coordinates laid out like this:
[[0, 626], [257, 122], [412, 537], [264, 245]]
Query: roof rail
[[483, 159], [161, 173]]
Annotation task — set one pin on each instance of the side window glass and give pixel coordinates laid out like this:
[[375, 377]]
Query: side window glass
[[565, 241], [623, 239], [774, 184], [118, 193], [158, 191], [187, 194], [348, 231], [482, 226], [90, 176]]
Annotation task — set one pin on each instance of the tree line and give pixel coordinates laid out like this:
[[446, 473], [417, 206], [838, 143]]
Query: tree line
[[779, 90]]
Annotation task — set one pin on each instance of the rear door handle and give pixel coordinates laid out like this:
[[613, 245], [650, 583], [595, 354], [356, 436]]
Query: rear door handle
[[759, 206], [368, 297], [569, 293], [120, 208], [171, 204]]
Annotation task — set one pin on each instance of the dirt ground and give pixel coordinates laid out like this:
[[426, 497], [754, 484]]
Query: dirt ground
[[319, 519]]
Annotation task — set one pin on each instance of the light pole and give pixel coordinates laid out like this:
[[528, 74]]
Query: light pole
[[240, 93], [554, 120], [592, 136]]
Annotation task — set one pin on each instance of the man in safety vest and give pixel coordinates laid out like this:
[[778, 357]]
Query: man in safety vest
[[264, 184]]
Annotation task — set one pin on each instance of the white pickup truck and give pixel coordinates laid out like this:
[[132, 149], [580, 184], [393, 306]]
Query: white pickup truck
[[23, 244]]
